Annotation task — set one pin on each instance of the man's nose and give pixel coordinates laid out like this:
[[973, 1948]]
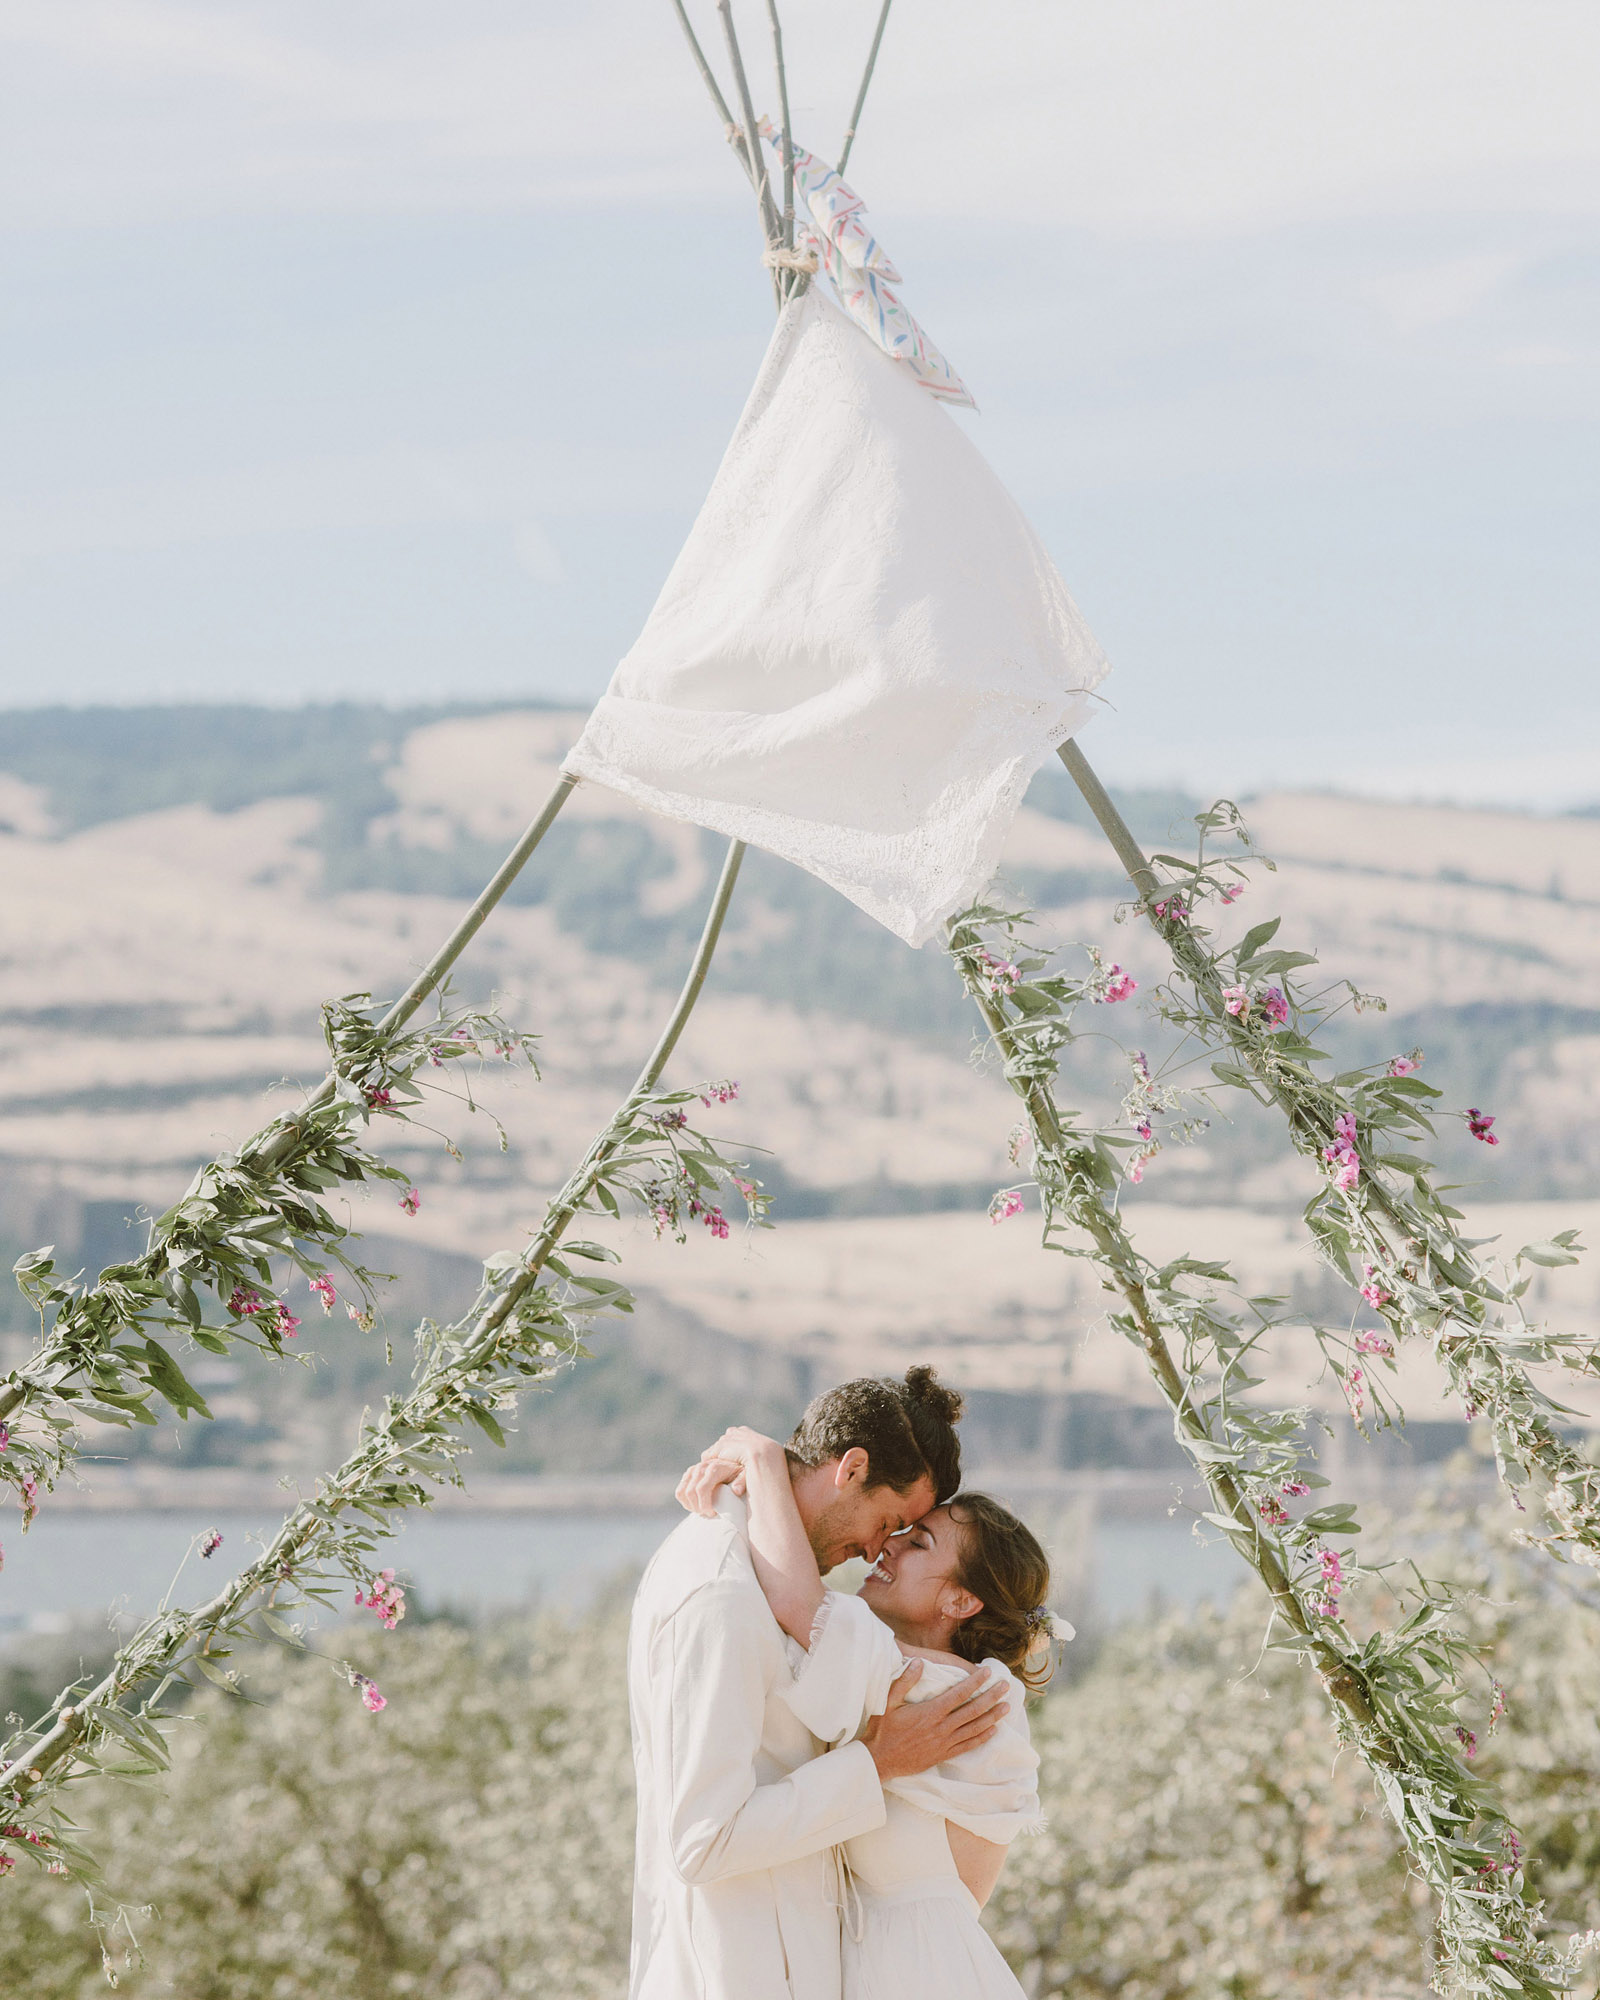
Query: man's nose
[[876, 1544]]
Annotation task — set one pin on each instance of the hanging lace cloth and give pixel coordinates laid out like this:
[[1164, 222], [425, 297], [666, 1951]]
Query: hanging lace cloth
[[862, 653]]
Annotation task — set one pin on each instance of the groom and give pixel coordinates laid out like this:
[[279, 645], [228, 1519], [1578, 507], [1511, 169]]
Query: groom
[[736, 1892]]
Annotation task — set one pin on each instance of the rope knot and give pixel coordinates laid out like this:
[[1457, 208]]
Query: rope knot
[[789, 260]]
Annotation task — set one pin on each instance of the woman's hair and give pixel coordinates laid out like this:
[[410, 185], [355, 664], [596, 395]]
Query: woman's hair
[[1001, 1563]]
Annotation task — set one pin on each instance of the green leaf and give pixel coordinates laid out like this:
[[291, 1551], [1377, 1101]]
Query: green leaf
[[486, 1423], [1545, 1253], [169, 1380], [1255, 938]]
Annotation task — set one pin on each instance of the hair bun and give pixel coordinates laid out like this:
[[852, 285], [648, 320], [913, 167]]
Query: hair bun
[[924, 1388]]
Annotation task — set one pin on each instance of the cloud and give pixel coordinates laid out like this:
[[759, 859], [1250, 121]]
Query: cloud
[[1148, 115]]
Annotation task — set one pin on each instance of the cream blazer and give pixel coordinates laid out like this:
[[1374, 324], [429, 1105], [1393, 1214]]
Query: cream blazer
[[736, 1887]]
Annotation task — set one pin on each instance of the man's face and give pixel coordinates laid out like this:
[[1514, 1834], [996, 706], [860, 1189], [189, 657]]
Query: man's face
[[856, 1520]]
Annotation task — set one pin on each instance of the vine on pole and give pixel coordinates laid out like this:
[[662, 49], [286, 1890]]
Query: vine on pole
[[1397, 1695], [1378, 1218]]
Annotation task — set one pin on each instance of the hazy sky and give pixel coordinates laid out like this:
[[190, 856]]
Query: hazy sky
[[386, 350]]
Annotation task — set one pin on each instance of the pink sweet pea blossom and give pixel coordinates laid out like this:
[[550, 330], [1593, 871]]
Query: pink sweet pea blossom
[[1232, 893], [1275, 1007], [30, 1498], [1372, 1289], [1236, 999], [723, 1092], [1469, 1742], [386, 1597], [1122, 985], [1172, 911], [244, 1300], [1478, 1123], [322, 1285], [371, 1700], [211, 1542], [5, 1436], [1355, 1390], [1007, 1203], [411, 1201], [379, 1097], [1272, 1511], [1406, 1065], [1374, 1343], [1498, 1710], [1296, 1489], [284, 1324], [1136, 1167]]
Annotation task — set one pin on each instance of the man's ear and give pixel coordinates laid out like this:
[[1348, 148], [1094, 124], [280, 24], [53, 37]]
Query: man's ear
[[851, 1469]]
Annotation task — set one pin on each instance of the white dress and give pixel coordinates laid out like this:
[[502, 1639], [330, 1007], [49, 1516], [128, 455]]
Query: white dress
[[911, 1929]]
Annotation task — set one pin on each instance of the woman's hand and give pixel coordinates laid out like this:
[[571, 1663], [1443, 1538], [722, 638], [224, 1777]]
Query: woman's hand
[[725, 1463]]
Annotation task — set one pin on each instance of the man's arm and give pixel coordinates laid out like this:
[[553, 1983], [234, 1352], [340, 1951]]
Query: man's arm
[[707, 1696]]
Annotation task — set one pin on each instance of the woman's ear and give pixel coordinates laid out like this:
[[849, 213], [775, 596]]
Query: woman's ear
[[961, 1605]]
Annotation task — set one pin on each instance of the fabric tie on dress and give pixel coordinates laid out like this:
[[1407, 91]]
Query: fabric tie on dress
[[860, 271]]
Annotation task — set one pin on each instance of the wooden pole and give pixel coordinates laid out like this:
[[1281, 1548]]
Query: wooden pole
[[866, 79]]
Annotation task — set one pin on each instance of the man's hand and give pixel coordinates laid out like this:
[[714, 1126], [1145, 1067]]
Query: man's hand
[[723, 1464], [914, 1736]]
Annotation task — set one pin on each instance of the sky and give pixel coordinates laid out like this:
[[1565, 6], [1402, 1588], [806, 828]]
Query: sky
[[385, 351]]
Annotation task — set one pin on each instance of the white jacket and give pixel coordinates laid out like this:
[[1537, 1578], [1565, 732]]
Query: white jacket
[[736, 1888]]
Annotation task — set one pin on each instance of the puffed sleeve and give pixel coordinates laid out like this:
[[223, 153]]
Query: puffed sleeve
[[992, 1791], [845, 1674]]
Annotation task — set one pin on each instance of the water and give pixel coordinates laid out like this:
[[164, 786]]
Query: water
[[76, 1567]]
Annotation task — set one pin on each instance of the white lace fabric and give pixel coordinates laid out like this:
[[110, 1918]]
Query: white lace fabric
[[863, 652]]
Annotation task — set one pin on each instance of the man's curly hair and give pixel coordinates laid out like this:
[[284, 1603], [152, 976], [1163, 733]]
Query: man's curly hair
[[907, 1429]]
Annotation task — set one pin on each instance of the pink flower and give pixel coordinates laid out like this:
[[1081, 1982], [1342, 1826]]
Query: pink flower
[[322, 1285], [1232, 893], [672, 1119], [1136, 1167], [371, 1700], [211, 1542], [1120, 985], [5, 1436], [719, 1093], [1355, 1391], [1406, 1065], [7, 1863], [1237, 999], [1342, 1153], [1141, 1065], [386, 1597], [1144, 1130], [1272, 1511], [411, 1201], [244, 1300], [379, 1096], [30, 1498], [1478, 1123], [284, 1324], [363, 1316], [1297, 1489], [1374, 1343], [999, 975], [1469, 1742], [716, 1222], [1275, 1007], [1349, 1171], [1374, 1294], [1498, 1710], [1007, 1203], [1172, 911]]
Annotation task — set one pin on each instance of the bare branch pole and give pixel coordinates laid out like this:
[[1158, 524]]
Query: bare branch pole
[[758, 168], [788, 132], [866, 79]]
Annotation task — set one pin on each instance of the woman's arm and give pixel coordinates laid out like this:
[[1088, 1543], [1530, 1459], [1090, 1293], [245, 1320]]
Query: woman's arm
[[784, 1565], [978, 1862]]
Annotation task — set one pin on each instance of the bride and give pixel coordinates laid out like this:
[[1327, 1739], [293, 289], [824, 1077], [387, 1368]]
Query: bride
[[964, 1585]]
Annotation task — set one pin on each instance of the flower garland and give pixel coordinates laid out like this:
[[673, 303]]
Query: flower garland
[[108, 1348], [1395, 1694], [1378, 1219]]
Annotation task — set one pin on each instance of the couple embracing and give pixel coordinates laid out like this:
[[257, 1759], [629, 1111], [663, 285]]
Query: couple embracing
[[828, 1784]]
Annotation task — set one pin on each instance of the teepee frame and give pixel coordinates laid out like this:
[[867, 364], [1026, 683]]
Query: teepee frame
[[1395, 1695]]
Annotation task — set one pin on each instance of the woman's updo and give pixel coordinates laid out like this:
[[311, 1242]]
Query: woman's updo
[[1004, 1567]]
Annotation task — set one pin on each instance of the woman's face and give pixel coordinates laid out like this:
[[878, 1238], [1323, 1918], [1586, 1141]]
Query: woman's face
[[913, 1583]]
